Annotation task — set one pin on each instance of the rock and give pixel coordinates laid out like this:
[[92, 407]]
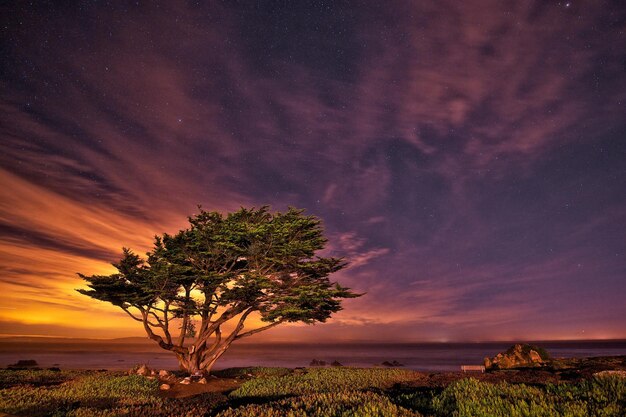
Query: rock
[[165, 387], [185, 381], [316, 362], [336, 363], [24, 363], [202, 381], [163, 373], [196, 376], [535, 357], [143, 370], [151, 377], [392, 364], [153, 372], [518, 356]]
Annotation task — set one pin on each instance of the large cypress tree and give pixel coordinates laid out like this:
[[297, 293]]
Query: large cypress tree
[[207, 279]]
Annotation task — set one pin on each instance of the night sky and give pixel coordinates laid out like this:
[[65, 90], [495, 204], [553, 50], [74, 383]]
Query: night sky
[[467, 157]]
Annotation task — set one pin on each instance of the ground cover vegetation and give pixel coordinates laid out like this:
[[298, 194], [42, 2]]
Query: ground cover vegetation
[[329, 392]]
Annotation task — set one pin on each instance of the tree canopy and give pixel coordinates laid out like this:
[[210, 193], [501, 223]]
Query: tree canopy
[[219, 270]]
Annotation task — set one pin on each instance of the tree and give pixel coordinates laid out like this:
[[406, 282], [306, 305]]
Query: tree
[[220, 270]]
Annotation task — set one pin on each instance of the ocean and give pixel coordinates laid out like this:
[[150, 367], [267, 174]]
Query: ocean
[[419, 356]]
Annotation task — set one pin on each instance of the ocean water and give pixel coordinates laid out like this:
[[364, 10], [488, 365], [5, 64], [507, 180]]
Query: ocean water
[[420, 356]]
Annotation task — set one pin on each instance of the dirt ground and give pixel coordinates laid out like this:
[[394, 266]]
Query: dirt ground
[[221, 385]]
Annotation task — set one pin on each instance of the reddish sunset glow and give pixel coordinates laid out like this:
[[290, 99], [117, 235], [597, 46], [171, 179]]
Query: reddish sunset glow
[[469, 163]]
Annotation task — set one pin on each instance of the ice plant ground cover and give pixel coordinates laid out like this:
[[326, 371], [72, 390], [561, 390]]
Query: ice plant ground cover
[[327, 392]]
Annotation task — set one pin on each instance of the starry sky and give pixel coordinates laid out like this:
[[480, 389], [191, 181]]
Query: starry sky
[[468, 158]]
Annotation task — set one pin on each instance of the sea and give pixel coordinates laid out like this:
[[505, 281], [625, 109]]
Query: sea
[[120, 355]]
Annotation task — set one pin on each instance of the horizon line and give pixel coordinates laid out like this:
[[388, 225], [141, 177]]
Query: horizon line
[[5, 336]]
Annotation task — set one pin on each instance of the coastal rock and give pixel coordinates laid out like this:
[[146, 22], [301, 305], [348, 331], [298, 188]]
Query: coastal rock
[[202, 381], [24, 363], [165, 387], [518, 356], [164, 374], [143, 370], [392, 364], [185, 381], [316, 362], [336, 363]]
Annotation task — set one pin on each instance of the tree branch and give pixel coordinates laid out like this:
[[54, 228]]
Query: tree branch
[[183, 330], [131, 314], [162, 343], [260, 329], [166, 322]]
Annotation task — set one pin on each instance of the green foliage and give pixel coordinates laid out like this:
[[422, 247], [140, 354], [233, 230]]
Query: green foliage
[[329, 404], [9, 378], [250, 256], [322, 380], [597, 397], [98, 391]]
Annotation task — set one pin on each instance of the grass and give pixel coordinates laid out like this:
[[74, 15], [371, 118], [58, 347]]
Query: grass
[[323, 380], [328, 392]]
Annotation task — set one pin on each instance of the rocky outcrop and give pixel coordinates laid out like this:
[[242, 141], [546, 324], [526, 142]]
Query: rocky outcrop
[[392, 364], [316, 362], [24, 364], [518, 356]]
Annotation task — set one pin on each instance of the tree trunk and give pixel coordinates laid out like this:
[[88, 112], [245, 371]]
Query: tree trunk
[[201, 362], [190, 363]]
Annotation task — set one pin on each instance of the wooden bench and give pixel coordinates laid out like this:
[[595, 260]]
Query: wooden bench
[[470, 368]]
